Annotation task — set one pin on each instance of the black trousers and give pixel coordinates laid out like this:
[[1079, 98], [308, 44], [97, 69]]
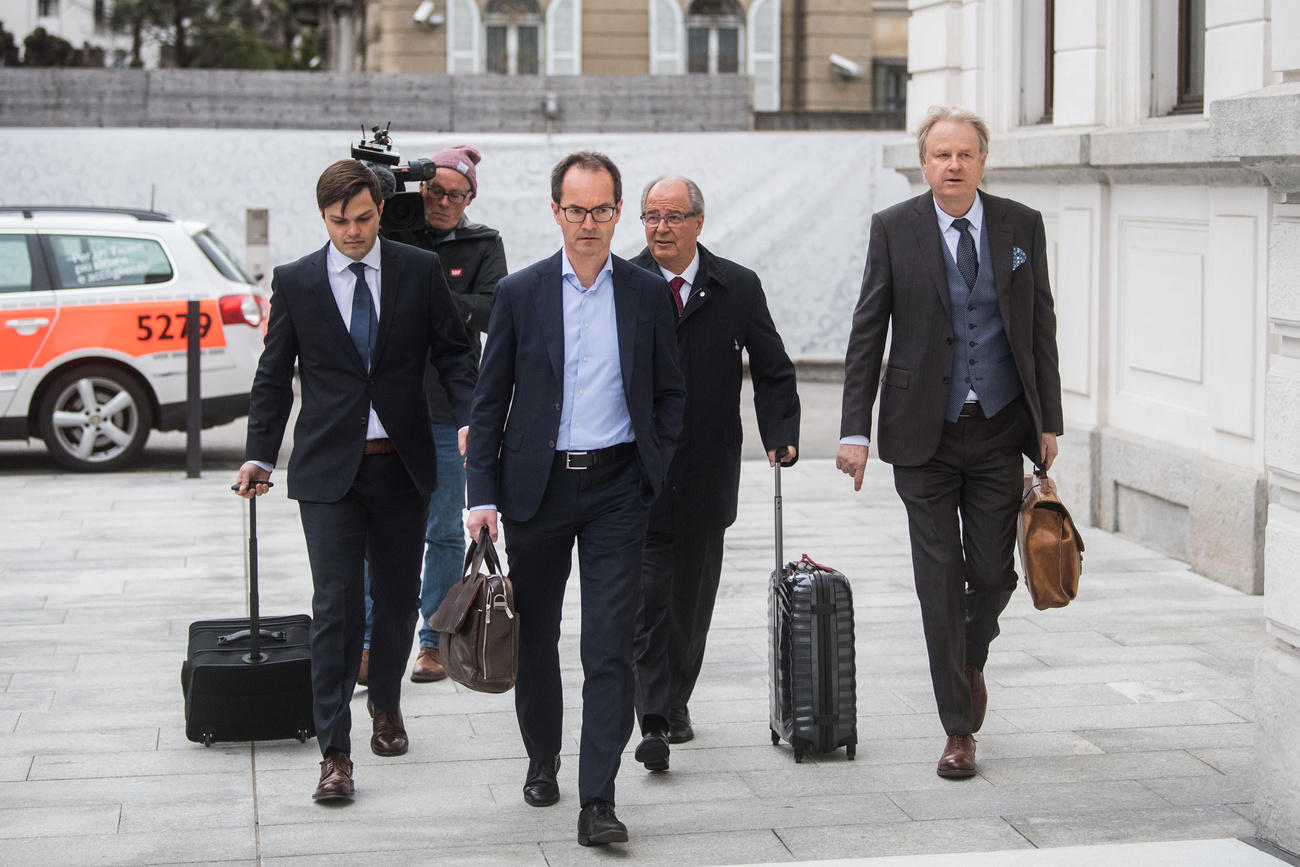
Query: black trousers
[[381, 520], [962, 507], [679, 580], [602, 510]]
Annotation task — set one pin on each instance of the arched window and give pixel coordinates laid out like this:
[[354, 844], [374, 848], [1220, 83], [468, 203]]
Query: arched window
[[715, 36], [512, 30]]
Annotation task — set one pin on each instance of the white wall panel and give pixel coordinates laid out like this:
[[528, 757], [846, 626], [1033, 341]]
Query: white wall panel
[[1236, 60], [1072, 282], [1231, 310], [1162, 296]]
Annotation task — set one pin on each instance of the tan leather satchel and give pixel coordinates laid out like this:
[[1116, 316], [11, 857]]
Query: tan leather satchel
[[1051, 550], [477, 623]]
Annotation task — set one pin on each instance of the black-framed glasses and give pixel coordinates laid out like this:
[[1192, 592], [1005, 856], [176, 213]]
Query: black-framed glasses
[[453, 196], [674, 220], [600, 213]]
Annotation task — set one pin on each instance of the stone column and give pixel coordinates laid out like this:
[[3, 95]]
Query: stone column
[[1263, 129]]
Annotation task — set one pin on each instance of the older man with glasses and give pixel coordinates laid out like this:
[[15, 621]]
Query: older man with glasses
[[473, 259], [722, 313]]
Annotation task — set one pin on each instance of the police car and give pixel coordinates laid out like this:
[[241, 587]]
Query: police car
[[94, 324]]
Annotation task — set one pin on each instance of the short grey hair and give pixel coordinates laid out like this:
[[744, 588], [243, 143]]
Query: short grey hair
[[693, 194], [940, 113]]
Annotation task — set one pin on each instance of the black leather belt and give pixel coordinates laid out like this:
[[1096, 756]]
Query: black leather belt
[[971, 409], [595, 457], [378, 447]]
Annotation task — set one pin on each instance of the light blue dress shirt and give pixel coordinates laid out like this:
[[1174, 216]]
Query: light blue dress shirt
[[594, 413]]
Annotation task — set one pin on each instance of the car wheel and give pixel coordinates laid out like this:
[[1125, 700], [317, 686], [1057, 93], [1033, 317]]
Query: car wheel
[[94, 418]]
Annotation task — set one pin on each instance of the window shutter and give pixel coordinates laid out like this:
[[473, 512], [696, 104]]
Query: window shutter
[[463, 26], [764, 64], [667, 34], [564, 37]]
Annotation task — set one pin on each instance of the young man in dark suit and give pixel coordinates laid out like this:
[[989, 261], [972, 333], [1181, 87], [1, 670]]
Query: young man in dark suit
[[360, 320], [972, 383], [722, 312], [575, 419]]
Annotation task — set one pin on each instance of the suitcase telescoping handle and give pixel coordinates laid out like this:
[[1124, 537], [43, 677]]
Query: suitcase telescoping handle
[[780, 530], [254, 633]]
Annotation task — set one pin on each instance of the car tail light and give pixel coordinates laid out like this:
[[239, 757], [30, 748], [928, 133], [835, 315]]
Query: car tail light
[[242, 309]]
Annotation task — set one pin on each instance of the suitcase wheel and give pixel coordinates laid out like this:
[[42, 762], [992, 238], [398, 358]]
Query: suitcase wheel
[[776, 738], [851, 750], [207, 737], [798, 755], [302, 737]]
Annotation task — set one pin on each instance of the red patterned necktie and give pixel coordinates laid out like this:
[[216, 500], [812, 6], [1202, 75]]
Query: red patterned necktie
[[677, 283]]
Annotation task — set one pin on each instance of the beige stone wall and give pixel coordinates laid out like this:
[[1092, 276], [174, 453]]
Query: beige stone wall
[[395, 45], [615, 37], [615, 41]]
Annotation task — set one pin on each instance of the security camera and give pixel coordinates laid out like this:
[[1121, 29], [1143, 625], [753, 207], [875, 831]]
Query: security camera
[[424, 15], [846, 67]]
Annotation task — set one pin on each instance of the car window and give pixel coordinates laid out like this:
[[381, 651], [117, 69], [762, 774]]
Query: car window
[[220, 257], [15, 264], [85, 261]]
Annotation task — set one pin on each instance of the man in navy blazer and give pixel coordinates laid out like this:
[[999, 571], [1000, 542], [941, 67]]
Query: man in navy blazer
[[360, 320], [971, 384], [575, 420]]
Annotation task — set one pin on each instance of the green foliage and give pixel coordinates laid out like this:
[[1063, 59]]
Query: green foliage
[[8, 48]]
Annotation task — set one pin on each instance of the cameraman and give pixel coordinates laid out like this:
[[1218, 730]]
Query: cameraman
[[473, 260]]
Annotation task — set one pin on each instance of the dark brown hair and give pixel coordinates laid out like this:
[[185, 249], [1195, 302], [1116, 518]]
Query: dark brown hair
[[343, 180], [592, 162]]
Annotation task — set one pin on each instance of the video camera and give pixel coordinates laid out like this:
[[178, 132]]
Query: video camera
[[402, 210]]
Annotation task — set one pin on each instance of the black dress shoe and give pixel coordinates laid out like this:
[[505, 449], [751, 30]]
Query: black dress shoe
[[540, 789], [653, 751], [679, 726], [597, 825]]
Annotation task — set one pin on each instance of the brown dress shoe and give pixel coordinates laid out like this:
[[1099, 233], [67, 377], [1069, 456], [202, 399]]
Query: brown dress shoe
[[363, 675], [428, 666], [979, 696], [389, 738], [958, 758], [335, 778]]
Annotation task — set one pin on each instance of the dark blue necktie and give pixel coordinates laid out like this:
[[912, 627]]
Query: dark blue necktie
[[364, 322], [968, 264]]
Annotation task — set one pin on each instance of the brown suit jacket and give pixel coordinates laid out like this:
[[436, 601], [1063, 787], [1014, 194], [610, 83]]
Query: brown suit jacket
[[905, 285]]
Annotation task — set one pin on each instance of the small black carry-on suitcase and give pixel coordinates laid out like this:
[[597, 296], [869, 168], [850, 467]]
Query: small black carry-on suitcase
[[813, 671], [249, 678]]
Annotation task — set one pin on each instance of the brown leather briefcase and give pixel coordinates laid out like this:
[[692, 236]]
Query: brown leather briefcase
[[1051, 550], [477, 623]]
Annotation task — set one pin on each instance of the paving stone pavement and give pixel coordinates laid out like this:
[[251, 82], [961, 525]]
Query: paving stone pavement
[[1123, 719]]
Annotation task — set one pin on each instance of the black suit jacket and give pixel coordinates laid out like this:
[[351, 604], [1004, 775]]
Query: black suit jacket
[[906, 283], [417, 323], [516, 412], [726, 313]]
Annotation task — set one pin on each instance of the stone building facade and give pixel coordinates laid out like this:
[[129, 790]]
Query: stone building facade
[[785, 45], [1161, 141]]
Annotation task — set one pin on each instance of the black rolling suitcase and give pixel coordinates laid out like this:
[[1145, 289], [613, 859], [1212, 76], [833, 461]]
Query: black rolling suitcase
[[810, 653], [249, 678]]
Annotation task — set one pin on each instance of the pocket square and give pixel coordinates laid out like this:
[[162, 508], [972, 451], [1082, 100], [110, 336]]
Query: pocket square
[[1017, 258]]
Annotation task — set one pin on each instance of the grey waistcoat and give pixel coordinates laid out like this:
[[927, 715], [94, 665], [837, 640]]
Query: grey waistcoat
[[982, 358]]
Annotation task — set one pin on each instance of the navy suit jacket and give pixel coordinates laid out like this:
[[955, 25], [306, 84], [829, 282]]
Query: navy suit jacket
[[417, 324], [906, 284], [516, 413]]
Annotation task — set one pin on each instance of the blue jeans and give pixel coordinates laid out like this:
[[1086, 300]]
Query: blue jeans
[[444, 535]]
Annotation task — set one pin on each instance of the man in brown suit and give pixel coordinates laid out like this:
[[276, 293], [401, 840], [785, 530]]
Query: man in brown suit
[[971, 383]]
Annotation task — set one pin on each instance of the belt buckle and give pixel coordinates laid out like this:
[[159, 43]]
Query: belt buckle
[[568, 457]]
